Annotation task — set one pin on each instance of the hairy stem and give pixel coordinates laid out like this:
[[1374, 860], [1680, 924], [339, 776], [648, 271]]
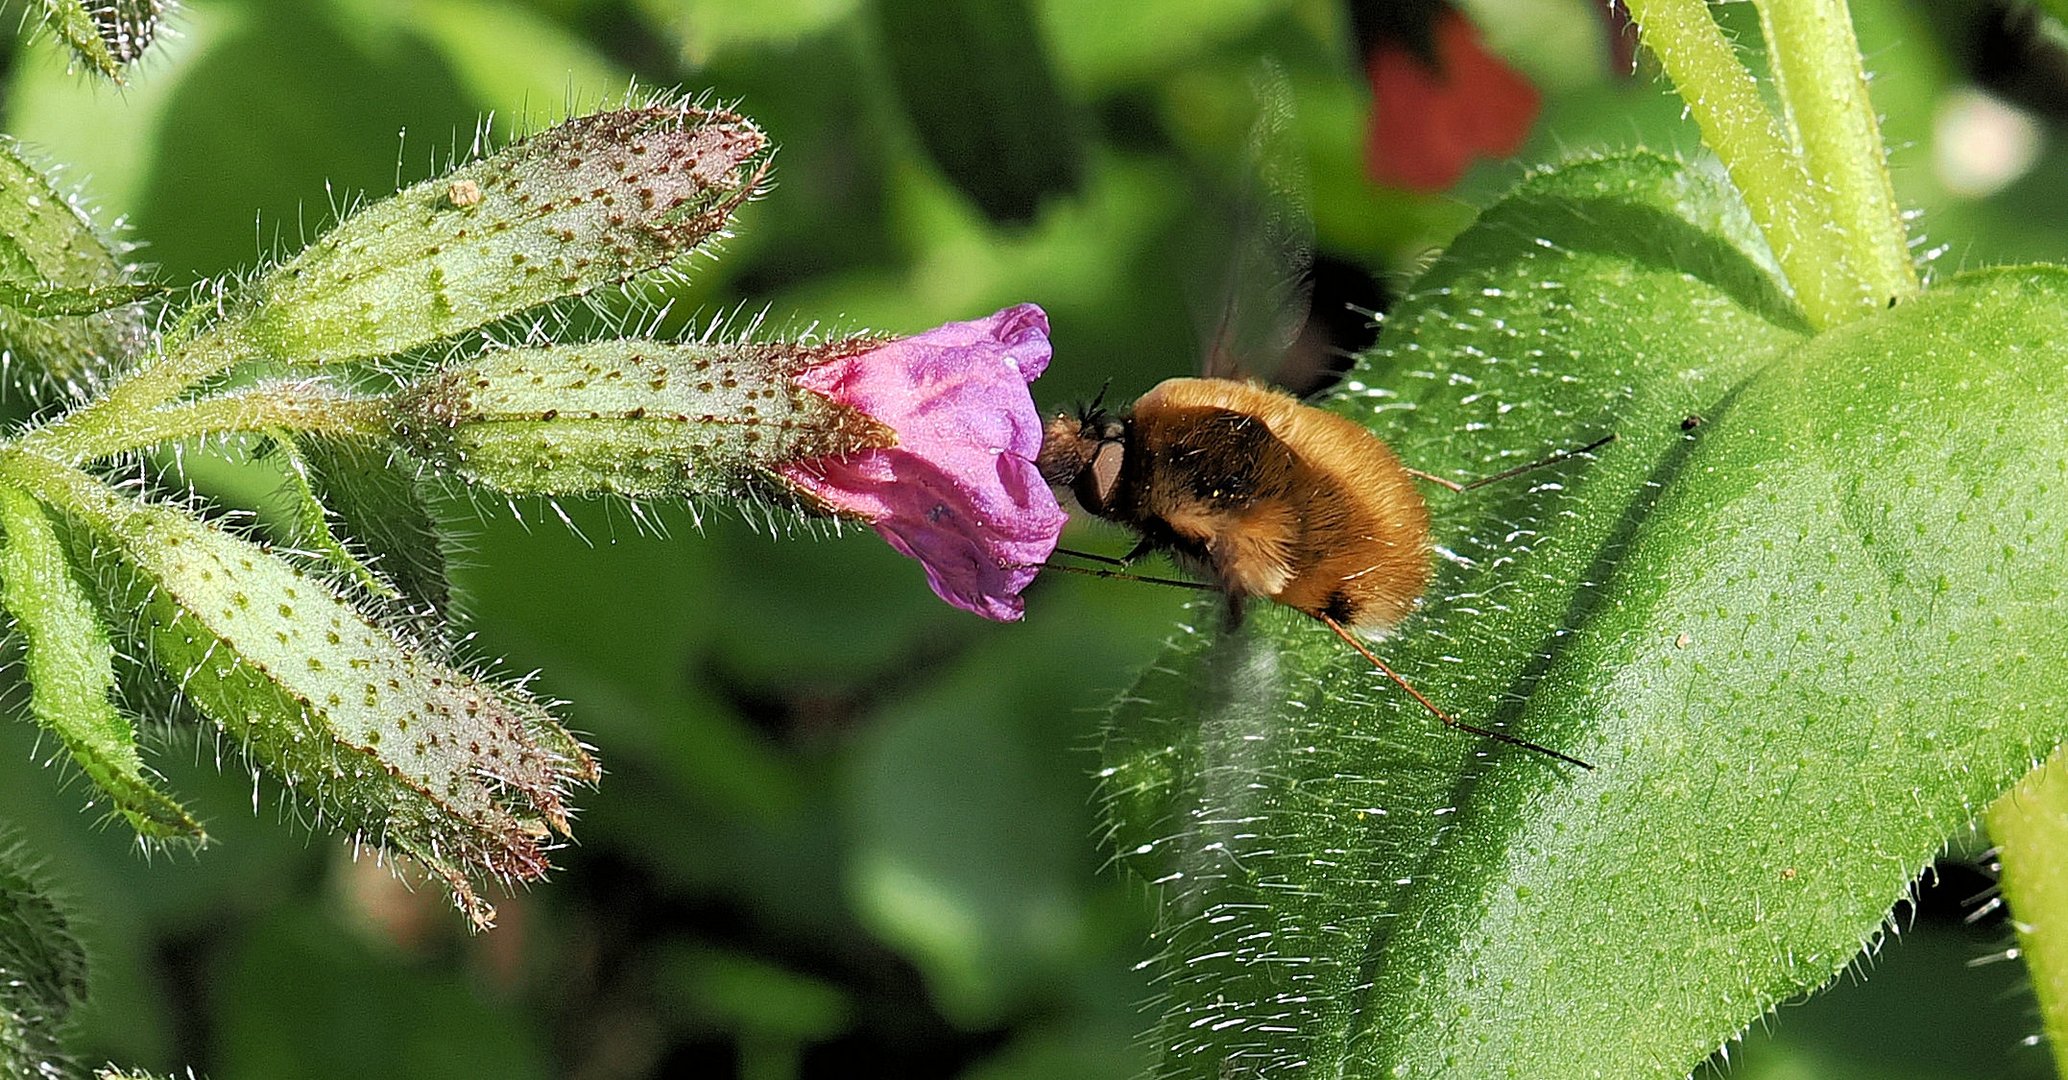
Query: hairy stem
[[297, 407], [159, 380], [1749, 138], [2030, 827], [56, 484], [1823, 89]]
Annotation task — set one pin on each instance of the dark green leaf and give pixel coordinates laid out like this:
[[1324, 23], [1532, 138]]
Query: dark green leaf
[[976, 81], [381, 510], [1803, 615], [70, 670], [42, 974]]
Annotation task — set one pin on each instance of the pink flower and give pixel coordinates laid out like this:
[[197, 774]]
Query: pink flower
[[959, 491]]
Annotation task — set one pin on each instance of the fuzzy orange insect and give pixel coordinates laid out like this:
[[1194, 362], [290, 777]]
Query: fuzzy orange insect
[[1266, 496]]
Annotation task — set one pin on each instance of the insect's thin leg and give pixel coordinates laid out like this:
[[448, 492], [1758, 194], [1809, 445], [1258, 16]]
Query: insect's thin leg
[[1141, 548], [1432, 478], [1448, 720], [1510, 474], [1091, 557], [1116, 575]]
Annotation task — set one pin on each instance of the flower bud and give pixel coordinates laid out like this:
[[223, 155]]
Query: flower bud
[[53, 264], [632, 417], [591, 202], [393, 745], [107, 34], [929, 439]]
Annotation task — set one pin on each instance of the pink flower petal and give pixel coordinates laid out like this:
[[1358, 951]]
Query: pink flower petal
[[959, 492]]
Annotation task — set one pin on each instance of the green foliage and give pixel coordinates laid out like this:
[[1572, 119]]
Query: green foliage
[[987, 105], [1724, 613], [343, 693], [277, 1021], [1879, 496], [108, 35], [841, 822], [42, 975], [359, 482], [71, 672], [65, 287]]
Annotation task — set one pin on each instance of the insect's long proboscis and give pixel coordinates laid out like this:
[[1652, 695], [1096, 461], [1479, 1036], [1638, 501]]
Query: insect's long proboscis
[[1118, 575]]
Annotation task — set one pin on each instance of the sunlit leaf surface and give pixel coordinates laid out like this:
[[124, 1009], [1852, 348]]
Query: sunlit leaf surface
[[1804, 615]]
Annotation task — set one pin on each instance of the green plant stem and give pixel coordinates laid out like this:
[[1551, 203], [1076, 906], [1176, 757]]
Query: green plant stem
[[160, 379], [1823, 89], [1777, 77], [1746, 135], [58, 485], [89, 300], [2030, 827], [296, 407]]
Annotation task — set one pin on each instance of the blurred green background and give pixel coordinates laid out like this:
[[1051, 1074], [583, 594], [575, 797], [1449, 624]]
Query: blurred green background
[[844, 827]]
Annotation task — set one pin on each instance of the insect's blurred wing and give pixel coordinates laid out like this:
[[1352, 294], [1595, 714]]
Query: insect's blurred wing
[[1264, 289]]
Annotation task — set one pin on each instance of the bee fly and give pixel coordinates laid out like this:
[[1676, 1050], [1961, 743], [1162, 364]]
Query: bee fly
[[1265, 496]]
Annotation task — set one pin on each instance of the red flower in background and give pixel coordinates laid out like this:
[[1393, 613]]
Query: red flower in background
[[959, 491], [1440, 100]]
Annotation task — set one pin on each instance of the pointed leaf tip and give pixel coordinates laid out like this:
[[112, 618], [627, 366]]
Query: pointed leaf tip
[[69, 667]]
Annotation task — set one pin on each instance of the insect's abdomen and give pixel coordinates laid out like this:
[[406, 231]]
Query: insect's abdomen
[[1369, 525], [1370, 586]]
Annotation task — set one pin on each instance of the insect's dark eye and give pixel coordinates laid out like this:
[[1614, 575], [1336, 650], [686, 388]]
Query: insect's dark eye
[[1095, 485]]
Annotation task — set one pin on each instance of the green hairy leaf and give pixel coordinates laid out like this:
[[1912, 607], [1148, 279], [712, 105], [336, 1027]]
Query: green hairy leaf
[[66, 314], [381, 511], [42, 975], [1812, 581], [71, 672]]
